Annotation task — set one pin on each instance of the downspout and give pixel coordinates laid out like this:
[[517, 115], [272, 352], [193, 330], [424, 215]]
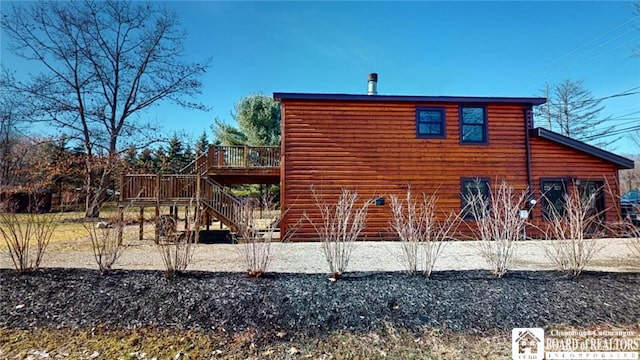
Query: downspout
[[283, 190], [528, 118]]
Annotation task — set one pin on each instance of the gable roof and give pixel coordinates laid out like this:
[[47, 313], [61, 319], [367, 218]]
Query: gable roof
[[621, 162], [409, 98]]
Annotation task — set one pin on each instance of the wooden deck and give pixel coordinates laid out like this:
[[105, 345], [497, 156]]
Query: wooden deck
[[226, 165], [231, 165], [205, 181], [155, 189]]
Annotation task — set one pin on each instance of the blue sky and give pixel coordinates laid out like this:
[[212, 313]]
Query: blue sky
[[419, 48]]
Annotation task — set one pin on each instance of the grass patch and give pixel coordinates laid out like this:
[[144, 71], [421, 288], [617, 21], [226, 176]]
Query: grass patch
[[147, 343], [188, 344], [70, 234]]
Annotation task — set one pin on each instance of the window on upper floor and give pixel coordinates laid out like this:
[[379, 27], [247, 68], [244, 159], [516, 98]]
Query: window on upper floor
[[473, 125], [476, 198], [430, 122]]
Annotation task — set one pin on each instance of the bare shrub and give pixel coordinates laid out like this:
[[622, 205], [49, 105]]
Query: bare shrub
[[420, 231], [176, 249], [260, 226], [339, 227], [634, 240], [27, 237], [498, 223], [572, 249], [107, 241]]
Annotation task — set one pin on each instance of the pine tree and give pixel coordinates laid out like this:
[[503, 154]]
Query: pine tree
[[202, 145], [178, 154], [146, 162], [227, 135]]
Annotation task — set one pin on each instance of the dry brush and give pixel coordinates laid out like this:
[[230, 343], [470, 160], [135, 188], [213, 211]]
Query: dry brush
[[498, 223], [422, 234], [339, 226], [570, 229], [27, 237]]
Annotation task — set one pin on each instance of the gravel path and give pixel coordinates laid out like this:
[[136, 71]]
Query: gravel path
[[308, 257]]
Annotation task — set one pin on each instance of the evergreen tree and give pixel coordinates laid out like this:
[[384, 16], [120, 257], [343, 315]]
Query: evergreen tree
[[227, 135], [146, 162], [175, 153], [258, 117], [202, 144], [161, 161]]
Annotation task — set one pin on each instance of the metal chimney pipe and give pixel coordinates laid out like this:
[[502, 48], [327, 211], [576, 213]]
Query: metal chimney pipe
[[373, 84]]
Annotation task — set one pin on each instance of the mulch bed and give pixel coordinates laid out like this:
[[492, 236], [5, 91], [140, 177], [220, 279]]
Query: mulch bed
[[309, 303]]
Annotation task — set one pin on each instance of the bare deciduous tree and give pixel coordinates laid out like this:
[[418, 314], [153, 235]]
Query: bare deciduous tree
[[11, 120], [630, 178], [498, 224], [338, 227], [573, 111], [104, 63], [421, 232]]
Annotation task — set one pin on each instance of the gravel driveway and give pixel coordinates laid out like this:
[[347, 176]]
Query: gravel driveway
[[374, 256]]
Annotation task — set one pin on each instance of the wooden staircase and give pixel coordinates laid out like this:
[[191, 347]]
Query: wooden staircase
[[183, 190], [225, 206], [197, 183], [205, 181]]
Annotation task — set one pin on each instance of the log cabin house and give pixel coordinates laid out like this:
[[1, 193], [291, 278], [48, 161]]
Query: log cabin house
[[378, 145]]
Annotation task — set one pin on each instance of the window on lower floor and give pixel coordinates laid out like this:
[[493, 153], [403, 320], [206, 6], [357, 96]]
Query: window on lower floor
[[430, 122], [473, 125], [553, 197], [476, 197], [592, 191]]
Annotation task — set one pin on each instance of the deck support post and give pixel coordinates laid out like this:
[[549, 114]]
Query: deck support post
[[157, 227], [207, 218], [141, 221], [197, 212], [186, 217], [157, 233], [121, 224]]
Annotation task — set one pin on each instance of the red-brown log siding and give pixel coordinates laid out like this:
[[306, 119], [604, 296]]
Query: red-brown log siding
[[372, 148], [552, 160]]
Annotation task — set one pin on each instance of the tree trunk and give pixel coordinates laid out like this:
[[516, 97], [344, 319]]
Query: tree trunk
[[96, 184]]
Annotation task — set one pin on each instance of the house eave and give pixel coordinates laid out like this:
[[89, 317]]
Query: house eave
[[620, 161], [280, 96]]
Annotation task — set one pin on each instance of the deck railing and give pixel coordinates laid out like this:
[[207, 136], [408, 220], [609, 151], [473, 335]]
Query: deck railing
[[224, 203], [151, 187], [244, 157], [197, 166]]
